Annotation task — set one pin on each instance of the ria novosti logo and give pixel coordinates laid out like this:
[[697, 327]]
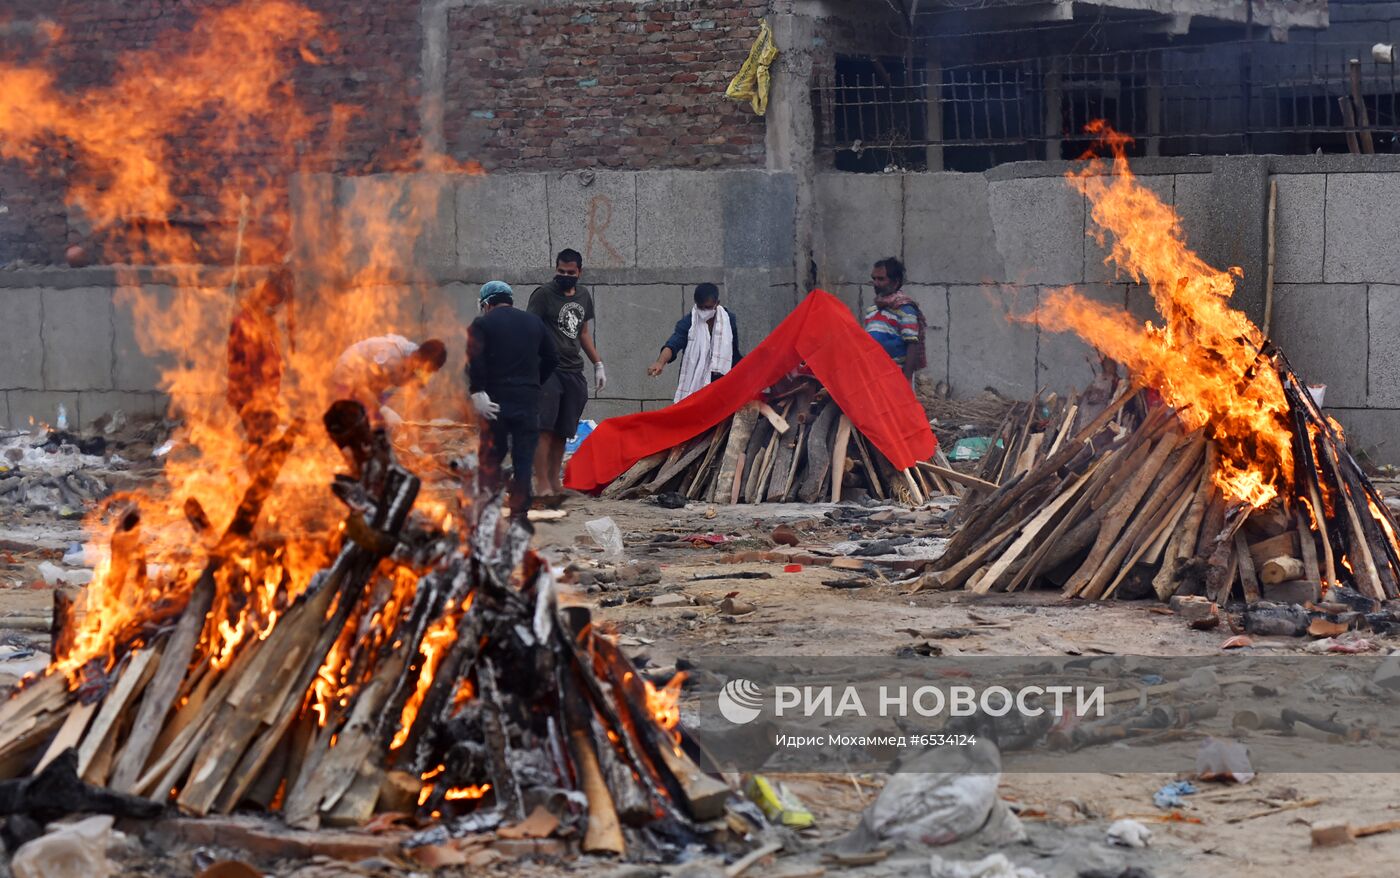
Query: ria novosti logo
[[741, 701]]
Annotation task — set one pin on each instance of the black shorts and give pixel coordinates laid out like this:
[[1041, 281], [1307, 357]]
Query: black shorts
[[562, 400]]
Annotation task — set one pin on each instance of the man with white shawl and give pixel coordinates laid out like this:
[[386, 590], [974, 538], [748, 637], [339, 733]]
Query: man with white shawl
[[708, 341]]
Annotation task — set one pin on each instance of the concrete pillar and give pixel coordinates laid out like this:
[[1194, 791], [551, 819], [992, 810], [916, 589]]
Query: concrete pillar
[[791, 129]]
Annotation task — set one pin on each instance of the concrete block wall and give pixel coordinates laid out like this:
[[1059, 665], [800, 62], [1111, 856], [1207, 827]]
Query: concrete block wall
[[982, 249], [63, 341]]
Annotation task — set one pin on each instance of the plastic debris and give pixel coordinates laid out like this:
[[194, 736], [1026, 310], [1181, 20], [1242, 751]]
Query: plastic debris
[[584, 428], [946, 795], [1170, 795], [993, 866], [72, 850], [1222, 760], [778, 803], [1348, 644], [1129, 834], [54, 574], [605, 533], [970, 448], [752, 81]]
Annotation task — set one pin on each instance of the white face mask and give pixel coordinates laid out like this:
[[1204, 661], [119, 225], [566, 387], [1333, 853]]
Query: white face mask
[[707, 313]]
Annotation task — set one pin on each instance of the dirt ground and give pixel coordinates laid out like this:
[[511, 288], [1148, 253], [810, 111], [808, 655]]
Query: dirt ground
[[1222, 831]]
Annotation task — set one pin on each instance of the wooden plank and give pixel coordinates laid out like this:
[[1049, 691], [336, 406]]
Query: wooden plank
[[739, 431], [954, 575], [46, 693], [1329, 567], [160, 694], [1308, 549], [1145, 517], [1065, 427], [953, 475], [753, 491], [261, 690], [672, 455], [814, 480], [1026, 461], [778, 421], [1117, 516], [69, 734], [988, 513], [783, 462], [913, 487], [987, 581], [1059, 538], [636, 474], [737, 488], [1164, 534], [356, 806], [1156, 537], [25, 736], [756, 454], [861, 453], [790, 488], [1285, 543], [1248, 578], [683, 458], [333, 771], [138, 671], [838, 456], [716, 442]]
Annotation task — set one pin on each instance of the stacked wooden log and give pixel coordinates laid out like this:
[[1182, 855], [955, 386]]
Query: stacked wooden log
[[797, 445], [1107, 494], [427, 668]]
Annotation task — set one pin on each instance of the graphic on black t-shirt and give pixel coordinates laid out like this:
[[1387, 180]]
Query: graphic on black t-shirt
[[571, 319]]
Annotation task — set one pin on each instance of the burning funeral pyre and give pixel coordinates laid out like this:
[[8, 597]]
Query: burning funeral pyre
[[245, 643], [427, 661], [1210, 465]]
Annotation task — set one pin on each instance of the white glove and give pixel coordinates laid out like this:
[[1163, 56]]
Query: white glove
[[484, 406], [600, 376], [390, 417]]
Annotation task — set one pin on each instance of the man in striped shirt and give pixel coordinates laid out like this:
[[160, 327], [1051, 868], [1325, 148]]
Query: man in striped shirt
[[895, 321]]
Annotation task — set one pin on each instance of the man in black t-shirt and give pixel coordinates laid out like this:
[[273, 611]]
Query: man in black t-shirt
[[567, 309]]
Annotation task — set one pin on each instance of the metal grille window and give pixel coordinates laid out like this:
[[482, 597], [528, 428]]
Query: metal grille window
[[1216, 99]]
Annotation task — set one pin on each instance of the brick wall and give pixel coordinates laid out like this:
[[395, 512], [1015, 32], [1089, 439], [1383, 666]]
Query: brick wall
[[535, 86], [370, 66], [613, 84]]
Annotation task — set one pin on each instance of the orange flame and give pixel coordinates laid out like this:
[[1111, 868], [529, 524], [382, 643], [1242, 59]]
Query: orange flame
[[664, 704], [183, 160], [439, 637], [455, 794], [1204, 358]]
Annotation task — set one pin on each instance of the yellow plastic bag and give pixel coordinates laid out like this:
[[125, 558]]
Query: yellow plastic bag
[[752, 81], [778, 803]]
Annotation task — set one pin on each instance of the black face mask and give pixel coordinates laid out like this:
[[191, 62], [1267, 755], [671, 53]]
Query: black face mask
[[565, 282]]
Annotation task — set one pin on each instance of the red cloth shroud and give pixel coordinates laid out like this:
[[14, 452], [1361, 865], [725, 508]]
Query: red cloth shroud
[[868, 386]]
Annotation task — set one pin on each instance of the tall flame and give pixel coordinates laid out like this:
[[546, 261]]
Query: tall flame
[[183, 160], [1205, 357]]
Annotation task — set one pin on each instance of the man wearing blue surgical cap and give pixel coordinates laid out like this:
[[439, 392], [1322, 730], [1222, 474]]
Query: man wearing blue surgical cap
[[510, 353]]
